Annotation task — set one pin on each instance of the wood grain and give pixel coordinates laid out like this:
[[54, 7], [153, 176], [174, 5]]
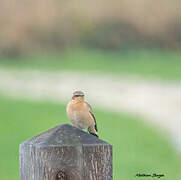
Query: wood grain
[[65, 153]]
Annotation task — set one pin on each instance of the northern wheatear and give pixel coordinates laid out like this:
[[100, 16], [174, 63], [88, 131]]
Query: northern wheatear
[[80, 113]]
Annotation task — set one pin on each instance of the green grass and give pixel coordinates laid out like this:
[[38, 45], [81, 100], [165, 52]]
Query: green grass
[[137, 147], [147, 63]]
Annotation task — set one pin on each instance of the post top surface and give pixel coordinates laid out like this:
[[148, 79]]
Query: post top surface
[[64, 135]]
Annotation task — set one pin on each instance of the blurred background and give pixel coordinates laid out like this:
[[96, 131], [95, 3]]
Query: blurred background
[[125, 55]]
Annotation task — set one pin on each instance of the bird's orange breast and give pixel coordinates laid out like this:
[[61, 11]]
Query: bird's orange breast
[[78, 114]]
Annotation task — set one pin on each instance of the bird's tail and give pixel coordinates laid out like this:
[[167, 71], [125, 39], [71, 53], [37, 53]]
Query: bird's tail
[[93, 130]]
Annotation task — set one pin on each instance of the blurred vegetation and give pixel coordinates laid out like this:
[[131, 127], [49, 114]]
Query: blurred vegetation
[[102, 36], [28, 27], [137, 147], [148, 63]]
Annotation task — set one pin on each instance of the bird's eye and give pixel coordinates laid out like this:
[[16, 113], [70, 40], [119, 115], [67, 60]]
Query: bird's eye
[[76, 95]]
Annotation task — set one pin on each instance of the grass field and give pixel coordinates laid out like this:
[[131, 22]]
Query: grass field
[[137, 147], [147, 63]]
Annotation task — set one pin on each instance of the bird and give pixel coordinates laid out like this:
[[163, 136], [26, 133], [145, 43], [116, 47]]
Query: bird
[[80, 113]]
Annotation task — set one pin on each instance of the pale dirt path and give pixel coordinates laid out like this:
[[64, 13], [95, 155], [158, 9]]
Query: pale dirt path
[[156, 101]]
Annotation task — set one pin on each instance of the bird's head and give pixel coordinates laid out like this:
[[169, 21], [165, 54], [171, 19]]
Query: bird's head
[[78, 95]]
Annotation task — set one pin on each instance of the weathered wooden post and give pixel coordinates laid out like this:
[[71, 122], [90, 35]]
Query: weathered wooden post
[[65, 153]]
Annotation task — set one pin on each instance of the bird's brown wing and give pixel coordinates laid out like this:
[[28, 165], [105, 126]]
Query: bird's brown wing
[[92, 114]]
